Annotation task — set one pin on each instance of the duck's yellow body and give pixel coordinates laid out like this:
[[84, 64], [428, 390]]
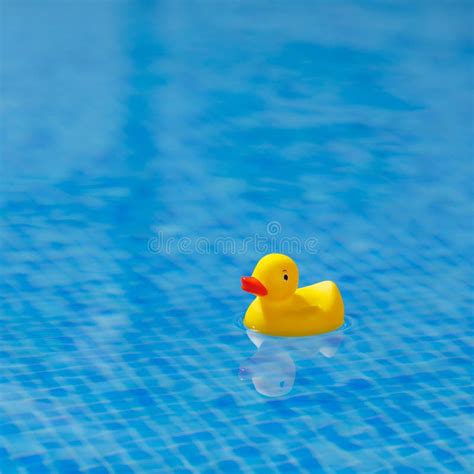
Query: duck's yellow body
[[283, 309]]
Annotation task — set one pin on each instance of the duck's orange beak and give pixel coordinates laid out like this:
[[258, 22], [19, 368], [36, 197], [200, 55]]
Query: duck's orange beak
[[254, 286]]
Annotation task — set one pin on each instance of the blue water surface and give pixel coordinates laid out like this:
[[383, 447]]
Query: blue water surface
[[137, 137]]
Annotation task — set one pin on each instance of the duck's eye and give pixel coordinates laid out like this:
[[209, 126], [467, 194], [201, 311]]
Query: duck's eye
[[285, 277]]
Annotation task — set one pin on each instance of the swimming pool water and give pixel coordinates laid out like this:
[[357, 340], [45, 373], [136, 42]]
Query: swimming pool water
[[127, 124]]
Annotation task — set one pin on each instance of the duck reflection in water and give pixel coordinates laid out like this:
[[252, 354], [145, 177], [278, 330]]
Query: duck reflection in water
[[272, 368]]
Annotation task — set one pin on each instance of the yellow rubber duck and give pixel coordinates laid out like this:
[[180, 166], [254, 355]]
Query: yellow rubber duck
[[282, 309]]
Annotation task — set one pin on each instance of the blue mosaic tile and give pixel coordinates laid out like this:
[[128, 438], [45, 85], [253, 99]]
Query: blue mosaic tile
[[346, 122]]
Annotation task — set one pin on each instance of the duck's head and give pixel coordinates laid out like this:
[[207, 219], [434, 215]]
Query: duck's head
[[274, 278]]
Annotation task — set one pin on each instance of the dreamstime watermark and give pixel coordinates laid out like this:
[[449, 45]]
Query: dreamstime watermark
[[271, 242]]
